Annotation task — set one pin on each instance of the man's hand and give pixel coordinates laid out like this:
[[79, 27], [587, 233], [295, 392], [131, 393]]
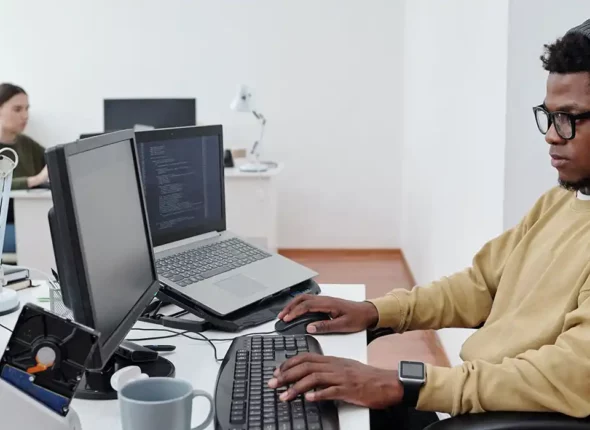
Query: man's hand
[[347, 316], [338, 379]]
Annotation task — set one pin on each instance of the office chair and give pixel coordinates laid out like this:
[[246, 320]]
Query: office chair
[[499, 420]]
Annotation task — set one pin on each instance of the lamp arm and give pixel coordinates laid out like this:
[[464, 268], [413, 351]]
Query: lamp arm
[[257, 144]]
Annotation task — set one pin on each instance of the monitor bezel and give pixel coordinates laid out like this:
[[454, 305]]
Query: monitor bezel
[[108, 346], [167, 134]]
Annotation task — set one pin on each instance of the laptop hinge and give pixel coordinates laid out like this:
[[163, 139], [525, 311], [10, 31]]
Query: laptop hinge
[[184, 242]]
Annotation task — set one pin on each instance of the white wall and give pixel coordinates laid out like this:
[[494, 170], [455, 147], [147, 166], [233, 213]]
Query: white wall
[[454, 132], [533, 23], [327, 74], [477, 166]]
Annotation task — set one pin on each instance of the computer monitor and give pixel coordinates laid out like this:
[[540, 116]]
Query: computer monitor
[[182, 175], [120, 114], [102, 246]]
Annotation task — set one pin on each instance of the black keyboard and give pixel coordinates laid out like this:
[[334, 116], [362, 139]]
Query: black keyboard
[[243, 399], [198, 264]]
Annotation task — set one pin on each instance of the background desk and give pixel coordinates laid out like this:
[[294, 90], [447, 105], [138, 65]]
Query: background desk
[[194, 362], [251, 201], [251, 210], [33, 238]]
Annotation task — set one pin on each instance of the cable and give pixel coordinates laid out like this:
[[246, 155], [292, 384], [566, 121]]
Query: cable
[[212, 345], [155, 338], [5, 328], [184, 333]]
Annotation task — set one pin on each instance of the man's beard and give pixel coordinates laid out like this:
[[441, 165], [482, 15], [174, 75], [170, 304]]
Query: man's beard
[[582, 185]]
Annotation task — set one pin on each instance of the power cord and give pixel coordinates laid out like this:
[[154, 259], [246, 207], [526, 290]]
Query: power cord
[[201, 337], [5, 328]]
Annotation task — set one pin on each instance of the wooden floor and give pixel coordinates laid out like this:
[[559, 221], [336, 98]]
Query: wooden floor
[[380, 271]]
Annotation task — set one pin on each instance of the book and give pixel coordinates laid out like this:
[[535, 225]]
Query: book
[[20, 285], [15, 273]]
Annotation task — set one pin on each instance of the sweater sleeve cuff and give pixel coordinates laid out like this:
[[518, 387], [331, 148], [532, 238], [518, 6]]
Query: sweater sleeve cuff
[[390, 312], [437, 393], [19, 183]]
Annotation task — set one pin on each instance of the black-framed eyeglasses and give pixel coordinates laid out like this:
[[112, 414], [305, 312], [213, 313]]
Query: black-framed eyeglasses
[[564, 122]]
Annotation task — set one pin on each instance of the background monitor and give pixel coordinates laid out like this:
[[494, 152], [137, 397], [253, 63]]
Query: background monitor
[[101, 238], [87, 135], [121, 114]]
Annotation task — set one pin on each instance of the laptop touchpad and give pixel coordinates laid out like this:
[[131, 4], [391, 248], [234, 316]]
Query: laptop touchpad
[[241, 286]]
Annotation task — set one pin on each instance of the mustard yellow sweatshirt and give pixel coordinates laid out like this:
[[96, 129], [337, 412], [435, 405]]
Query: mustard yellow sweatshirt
[[531, 287]]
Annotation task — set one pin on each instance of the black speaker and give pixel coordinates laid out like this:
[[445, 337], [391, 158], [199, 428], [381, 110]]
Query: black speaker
[[228, 159]]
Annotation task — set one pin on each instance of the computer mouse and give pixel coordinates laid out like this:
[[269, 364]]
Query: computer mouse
[[299, 325]]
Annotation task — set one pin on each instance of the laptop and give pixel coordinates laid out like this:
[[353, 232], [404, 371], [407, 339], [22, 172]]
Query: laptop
[[183, 178]]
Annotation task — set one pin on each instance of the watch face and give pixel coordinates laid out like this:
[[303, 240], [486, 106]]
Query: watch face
[[412, 370]]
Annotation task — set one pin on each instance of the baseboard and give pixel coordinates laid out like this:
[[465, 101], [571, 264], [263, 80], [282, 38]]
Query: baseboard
[[346, 252]]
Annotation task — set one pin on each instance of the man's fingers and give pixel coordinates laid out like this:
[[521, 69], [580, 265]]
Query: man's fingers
[[313, 304], [337, 325], [331, 393], [300, 359], [309, 382], [292, 304]]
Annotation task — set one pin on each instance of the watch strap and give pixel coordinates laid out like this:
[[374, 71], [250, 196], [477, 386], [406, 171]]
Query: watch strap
[[411, 392]]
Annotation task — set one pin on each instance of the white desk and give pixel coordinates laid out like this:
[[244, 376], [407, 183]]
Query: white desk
[[194, 362], [33, 238], [251, 212], [251, 205]]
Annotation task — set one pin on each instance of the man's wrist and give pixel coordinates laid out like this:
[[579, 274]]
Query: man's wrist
[[373, 315], [31, 181], [390, 387]]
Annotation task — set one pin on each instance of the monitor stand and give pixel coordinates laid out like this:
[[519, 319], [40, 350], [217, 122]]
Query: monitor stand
[[253, 315], [96, 384]]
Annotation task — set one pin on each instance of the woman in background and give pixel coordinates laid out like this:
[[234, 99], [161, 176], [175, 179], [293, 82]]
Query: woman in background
[[31, 171]]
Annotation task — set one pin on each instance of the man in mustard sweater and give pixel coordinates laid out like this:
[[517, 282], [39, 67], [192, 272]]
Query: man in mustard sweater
[[529, 287]]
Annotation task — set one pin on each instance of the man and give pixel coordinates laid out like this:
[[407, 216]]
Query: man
[[530, 287]]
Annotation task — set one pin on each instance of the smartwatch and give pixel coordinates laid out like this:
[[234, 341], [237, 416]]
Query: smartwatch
[[412, 375]]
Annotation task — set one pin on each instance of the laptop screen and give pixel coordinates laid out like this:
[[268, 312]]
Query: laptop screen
[[182, 173]]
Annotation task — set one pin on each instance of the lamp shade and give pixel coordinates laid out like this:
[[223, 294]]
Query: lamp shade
[[243, 100]]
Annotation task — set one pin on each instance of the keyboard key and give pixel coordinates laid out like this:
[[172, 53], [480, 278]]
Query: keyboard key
[[217, 271], [239, 395], [298, 424], [237, 418]]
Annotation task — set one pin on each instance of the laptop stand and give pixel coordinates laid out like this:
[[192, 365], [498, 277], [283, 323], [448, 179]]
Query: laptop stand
[[253, 315]]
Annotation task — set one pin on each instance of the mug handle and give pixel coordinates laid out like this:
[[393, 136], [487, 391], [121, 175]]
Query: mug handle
[[204, 424]]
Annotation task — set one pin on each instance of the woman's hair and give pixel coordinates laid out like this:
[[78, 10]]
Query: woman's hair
[[8, 91]]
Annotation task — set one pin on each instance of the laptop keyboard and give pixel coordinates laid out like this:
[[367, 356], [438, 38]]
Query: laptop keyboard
[[202, 263]]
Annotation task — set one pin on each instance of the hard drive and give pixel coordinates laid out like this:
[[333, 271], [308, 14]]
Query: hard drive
[[46, 356]]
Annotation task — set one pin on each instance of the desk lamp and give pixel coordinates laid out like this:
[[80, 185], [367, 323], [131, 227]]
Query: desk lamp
[[8, 298], [243, 103]]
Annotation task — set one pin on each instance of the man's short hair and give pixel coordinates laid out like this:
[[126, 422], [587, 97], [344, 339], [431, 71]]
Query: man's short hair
[[571, 53]]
